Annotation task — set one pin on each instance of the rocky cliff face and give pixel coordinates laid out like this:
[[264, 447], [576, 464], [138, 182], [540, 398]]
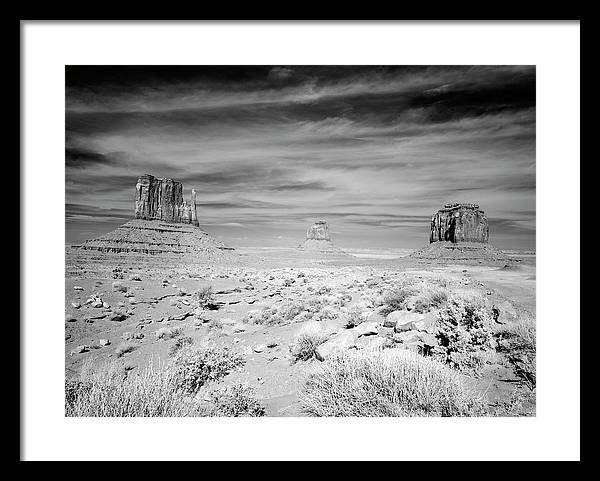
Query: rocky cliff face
[[162, 199], [459, 223]]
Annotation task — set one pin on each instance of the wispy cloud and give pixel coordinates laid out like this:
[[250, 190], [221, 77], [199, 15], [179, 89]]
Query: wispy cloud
[[374, 149]]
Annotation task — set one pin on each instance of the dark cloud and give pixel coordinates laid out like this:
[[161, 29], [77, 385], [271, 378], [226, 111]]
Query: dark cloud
[[372, 148], [82, 158]]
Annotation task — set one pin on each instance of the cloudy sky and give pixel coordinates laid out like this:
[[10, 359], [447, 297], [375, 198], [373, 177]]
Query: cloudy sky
[[375, 151]]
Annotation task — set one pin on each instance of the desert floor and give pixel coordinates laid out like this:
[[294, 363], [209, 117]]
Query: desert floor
[[158, 293]]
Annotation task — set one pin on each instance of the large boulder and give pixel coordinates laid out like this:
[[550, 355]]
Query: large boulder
[[367, 328], [340, 342], [403, 320]]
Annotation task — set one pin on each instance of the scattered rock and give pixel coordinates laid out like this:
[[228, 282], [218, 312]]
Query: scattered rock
[[135, 277], [117, 316], [69, 318], [403, 320], [119, 287], [76, 305], [259, 348], [104, 342], [341, 341], [367, 329], [239, 327], [78, 288], [374, 343]]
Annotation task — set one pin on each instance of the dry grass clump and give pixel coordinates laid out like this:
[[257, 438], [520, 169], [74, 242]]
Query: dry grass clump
[[422, 293], [191, 367], [465, 333], [432, 297], [168, 332], [205, 297], [353, 317], [125, 347], [316, 308], [180, 343], [395, 299], [391, 382], [238, 400], [517, 341], [215, 325], [306, 341], [109, 391]]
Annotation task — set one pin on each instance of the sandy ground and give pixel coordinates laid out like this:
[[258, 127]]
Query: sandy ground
[[163, 298]]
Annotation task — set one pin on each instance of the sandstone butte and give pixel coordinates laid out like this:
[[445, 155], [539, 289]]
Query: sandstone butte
[[460, 232], [162, 199], [459, 223], [163, 224], [318, 237]]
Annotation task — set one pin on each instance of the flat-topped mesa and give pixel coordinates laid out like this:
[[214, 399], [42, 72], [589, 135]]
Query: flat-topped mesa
[[162, 199], [318, 231], [458, 222]]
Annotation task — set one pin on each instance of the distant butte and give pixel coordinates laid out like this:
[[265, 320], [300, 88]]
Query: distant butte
[[459, 223], [460, 232], [318, 237]]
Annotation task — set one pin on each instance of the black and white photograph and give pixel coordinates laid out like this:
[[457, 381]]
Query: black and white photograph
[[267, 259], [300, 241]]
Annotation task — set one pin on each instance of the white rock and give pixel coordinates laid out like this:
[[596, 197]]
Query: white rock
[[403, 320], [344, 340], [367, 328]]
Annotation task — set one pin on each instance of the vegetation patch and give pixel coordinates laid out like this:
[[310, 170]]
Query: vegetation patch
[[191, 368], [238, 400], [391, 382], [125, 347], [306, 342], [465, 334], [517, 341]]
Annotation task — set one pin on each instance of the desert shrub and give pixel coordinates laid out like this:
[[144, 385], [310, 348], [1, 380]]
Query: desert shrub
[[108, 391], [191, 368], [215, 324], [306, 342], [125, 347], [205, 297], [234, 401], [179, 343], [521, 402], [395, 299], [465, 335], [353, 318], [168, 332], [325, 313], [74, 388], [430, 298], [391, 382], [517, 341]]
